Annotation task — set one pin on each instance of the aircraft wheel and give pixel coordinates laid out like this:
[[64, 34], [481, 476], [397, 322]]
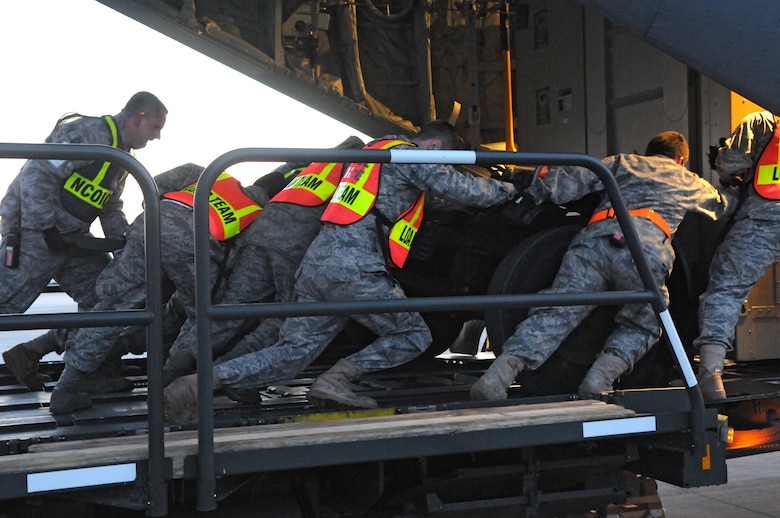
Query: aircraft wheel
[[528, 268]]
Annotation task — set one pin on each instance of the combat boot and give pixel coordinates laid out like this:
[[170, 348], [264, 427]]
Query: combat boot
[[22, 361], [64, 402], [492, 386], [114, 367], [98, 383], [246, 396], [331, 389], [181, 398], [178, 365], [709, 375], [603, 373]]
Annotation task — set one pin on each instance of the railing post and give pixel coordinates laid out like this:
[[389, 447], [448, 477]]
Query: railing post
[[157, 489]]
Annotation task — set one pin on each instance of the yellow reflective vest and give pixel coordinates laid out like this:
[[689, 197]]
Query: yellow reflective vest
[[86, 192]]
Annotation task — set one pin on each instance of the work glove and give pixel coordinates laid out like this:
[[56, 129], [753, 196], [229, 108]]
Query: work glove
[[521, 179]]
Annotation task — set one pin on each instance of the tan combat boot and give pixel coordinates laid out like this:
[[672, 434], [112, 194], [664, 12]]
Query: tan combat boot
[[331, 389], [492, 386], [181, 398], [22, 361], [603, 373], [710, 372]]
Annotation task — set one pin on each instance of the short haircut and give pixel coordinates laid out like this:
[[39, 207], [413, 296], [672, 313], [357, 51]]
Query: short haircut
[[442, 130], [144, 102], [669, 143]]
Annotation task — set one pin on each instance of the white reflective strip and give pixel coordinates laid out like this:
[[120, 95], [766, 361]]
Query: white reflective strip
[[433, 156], [618, 426], [677, 347], [80, 477]]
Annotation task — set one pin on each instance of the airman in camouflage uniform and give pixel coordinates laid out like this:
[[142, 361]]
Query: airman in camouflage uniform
[[596, 261], [267, 256], [346, 262], [34, 213], [123, 283], [750, 247]]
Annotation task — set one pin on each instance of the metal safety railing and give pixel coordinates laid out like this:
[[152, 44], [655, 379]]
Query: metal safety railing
[[206, 311], [151, 317]]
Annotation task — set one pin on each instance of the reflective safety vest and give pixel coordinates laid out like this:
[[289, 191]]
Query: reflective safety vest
[[230, 210], [403, 231], [313, 186], [86, 192], [355, 197], [357, 190], [766, 179]]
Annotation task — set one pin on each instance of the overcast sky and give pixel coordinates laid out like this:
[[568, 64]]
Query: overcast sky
[[81, 56]]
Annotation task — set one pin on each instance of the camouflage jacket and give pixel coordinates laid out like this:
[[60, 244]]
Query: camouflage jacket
[[654, 182], [33, 198]]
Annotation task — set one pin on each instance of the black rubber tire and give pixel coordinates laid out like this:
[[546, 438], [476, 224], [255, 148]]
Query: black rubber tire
[[530, 267]]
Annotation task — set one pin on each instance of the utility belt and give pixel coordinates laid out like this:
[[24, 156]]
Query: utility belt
[[97, 244], [649, 214]]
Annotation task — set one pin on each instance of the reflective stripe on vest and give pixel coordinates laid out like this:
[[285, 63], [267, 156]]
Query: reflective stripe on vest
[[85, 193], [357, 190], [766, 179], [313, 186], [230, 210], [403, 232]]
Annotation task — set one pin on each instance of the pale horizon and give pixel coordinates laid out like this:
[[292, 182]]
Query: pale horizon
[[81, 56]]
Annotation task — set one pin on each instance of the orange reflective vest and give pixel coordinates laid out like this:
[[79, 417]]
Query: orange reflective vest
[[230, 210], [403, 231], [86, 192], [313, 186], [355, 197], [766, 179], [357, 190]]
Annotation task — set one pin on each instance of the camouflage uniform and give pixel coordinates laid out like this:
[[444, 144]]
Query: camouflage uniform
[[593, 263], [346, 263], [752, 244], [123, 283], [33, 204], [267, 256]]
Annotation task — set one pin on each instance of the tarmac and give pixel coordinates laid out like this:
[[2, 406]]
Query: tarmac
[[752, 491]]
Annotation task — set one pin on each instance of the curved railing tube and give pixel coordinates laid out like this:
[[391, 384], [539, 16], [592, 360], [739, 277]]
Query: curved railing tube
[[205, 312], [151, 317]]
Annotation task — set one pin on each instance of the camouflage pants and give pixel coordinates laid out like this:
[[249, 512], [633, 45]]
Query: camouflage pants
[[258, 275], [76, 271], [588, 266], [123, 283], [402, 336], [748, 250]]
